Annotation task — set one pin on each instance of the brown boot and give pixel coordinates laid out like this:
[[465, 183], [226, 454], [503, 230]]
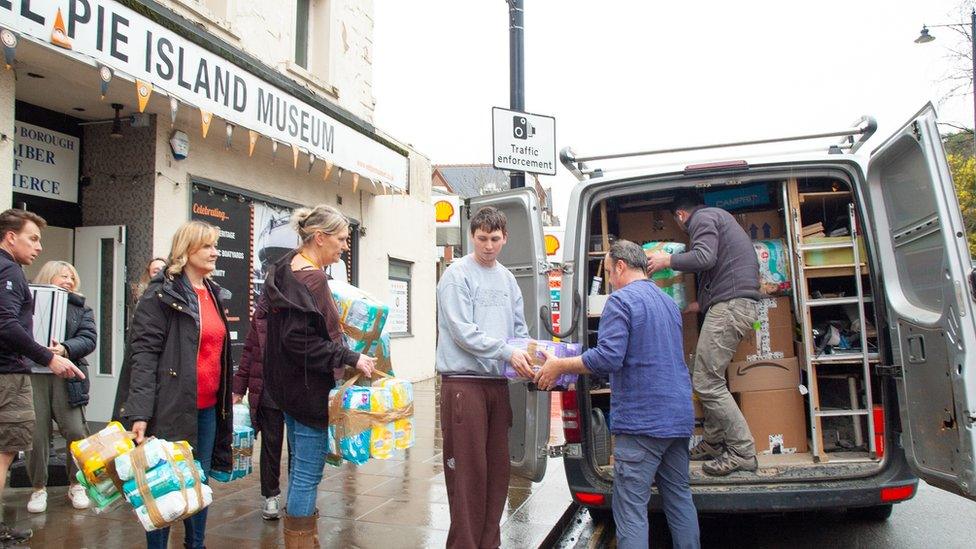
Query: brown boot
[[301, 532]]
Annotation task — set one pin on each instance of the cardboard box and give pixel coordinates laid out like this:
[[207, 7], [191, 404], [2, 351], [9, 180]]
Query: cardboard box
[[657, 225], [763, 375], [774, 338], [765, 225], [776, 420], [836, 256]]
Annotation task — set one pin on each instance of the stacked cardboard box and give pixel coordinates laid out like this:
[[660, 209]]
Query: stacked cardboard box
[[776, 420]]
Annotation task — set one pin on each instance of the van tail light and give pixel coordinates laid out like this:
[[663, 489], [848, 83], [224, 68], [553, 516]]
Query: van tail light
[[571, 419], [893, 494], [589, 498], [879, 430]]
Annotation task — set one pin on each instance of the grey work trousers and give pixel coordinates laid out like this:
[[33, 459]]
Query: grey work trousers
[[639, 461], [51, 402], [725, 324]]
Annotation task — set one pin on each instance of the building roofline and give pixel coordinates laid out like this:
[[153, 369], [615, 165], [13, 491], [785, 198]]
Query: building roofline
[[156, 12]]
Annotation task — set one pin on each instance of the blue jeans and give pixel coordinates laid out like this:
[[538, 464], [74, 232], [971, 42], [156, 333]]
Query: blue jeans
[[639, 460], [195, 527], [308, 447]]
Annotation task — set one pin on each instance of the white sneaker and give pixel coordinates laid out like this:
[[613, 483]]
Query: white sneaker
[[78, 497], [38, 501], [272, 508]]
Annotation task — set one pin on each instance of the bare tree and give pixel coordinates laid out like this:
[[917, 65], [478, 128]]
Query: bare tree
[[958, 79]]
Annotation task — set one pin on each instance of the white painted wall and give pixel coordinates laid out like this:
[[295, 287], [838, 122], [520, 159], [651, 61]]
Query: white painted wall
[[340, 42], [7, 94], [396, 226]]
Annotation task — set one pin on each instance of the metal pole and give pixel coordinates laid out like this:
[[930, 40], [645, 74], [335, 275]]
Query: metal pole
[[516, 68], [972, 39]]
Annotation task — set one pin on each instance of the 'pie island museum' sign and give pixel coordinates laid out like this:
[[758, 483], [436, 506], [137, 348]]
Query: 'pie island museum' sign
[[107, 34]]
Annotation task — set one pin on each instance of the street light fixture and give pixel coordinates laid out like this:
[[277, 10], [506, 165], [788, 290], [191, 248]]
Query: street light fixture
[[924, 38]]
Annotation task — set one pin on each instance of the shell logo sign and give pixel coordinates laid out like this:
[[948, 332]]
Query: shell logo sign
[[446, 209], [552, 244], [443, 211], [553, 240]]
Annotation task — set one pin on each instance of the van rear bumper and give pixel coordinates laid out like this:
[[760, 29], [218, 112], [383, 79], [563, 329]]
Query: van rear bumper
[[770, 498]]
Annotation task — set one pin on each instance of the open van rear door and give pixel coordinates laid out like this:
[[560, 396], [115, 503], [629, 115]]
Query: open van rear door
[[921, 246], [525, 256]]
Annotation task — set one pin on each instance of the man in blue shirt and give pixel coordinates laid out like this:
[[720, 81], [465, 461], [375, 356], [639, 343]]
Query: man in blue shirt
[[640, 348]]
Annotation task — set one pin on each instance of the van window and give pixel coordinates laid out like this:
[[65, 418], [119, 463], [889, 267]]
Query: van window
[[909, 201]]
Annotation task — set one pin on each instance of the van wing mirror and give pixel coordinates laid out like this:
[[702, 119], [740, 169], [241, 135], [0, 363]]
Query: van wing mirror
[[545, 314]]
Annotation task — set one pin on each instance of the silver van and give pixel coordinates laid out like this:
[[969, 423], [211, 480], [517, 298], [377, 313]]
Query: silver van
[[880, 288]]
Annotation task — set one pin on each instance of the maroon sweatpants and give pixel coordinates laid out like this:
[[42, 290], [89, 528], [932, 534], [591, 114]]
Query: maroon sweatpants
[[475, 418]]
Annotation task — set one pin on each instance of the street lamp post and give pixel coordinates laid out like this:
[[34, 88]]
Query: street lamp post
[[925, 37]]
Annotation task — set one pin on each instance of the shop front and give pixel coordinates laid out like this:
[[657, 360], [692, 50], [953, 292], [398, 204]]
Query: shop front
[[118, 127]]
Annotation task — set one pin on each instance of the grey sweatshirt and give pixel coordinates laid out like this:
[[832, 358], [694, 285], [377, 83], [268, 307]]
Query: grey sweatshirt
[[723, 255], [478, 310]]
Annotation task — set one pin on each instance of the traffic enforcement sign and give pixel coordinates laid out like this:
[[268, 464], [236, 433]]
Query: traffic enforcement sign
[[523, 142]]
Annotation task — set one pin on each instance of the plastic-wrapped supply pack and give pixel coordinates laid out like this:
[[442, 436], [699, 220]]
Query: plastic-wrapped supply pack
[[363, 420], [104, 495], [535, 349], [175, 506], [156, 450], [94, 455], [352, 447], [381, 434], [163, 479], [361, 315], [774, 269], [172, 490], [402, 392], [241, 448], [669, 280]]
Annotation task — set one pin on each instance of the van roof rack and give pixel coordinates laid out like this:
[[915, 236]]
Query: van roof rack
[[864, 127]]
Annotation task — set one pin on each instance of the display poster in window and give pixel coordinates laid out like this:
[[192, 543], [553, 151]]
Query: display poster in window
[[399, 307], [233, 217], [272, 236]]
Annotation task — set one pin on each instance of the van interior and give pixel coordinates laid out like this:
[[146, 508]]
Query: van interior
[[804, 379]]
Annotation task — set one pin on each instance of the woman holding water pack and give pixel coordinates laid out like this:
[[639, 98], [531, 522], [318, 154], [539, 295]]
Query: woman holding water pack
[[176, 378], [305, 349]]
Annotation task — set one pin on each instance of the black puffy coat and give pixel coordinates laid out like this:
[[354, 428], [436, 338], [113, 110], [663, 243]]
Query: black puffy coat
[[158, 381], [80, 338]]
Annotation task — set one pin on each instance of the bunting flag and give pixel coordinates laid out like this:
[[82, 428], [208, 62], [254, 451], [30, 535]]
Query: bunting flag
[[294, 155], [174, 106], [274, 150], [105, 75], [205, 119], [355, 181], [9, 40], [311, 162], [252, 138], [328, 170], [143, 91], [229, 129], [59, 37]]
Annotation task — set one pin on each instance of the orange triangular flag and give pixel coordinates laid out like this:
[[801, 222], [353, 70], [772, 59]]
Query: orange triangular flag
[[355, 181], [205, 119], [143, 91], [58, 36], [328, 170], [253, 139], [294, 154]]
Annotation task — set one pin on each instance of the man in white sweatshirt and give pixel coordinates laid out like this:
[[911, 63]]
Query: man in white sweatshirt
[[479, 307]]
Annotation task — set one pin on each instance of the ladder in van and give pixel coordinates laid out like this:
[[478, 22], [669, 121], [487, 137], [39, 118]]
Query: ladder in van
[[840, 363]]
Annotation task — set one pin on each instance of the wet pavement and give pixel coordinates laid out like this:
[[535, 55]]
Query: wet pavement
[[933, 518], [400, 502]]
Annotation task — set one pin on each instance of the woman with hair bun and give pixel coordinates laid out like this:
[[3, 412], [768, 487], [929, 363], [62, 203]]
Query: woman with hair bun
[[305, 347]]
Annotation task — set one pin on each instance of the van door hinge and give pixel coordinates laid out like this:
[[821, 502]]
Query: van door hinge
[[889, 370], [562, 450], [917, 131]]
